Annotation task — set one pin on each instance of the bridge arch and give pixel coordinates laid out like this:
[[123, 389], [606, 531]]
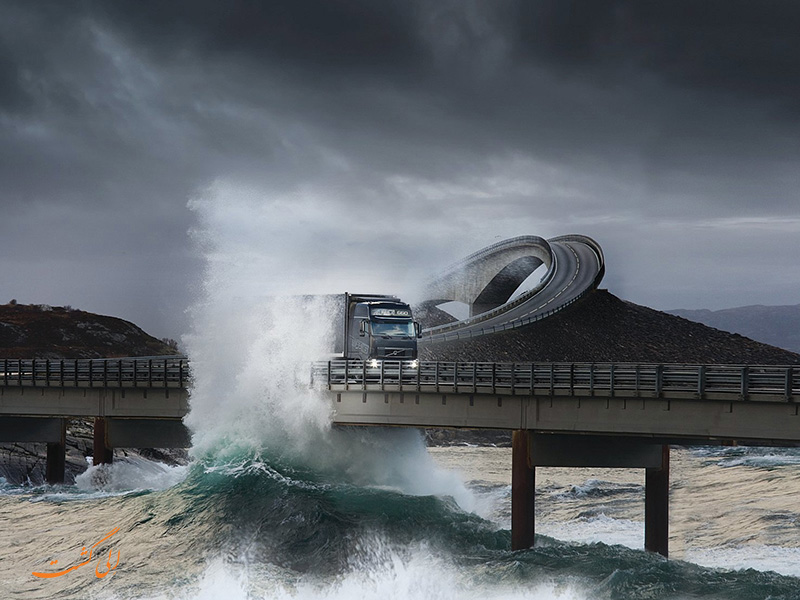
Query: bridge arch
[[486, 279]]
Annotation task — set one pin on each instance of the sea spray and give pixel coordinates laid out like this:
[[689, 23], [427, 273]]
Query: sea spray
[[253, 340], [130, 473]]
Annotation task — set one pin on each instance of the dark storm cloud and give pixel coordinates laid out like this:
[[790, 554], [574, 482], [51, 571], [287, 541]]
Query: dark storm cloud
[[356, 33], [730, 45], [472, 115]]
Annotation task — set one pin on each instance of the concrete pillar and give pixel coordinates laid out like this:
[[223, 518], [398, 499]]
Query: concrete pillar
[[522, 491], [656, 506], [103, 454], [57, 457]]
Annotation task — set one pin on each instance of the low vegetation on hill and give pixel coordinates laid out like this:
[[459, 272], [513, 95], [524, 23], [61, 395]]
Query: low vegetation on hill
[[41, 331]]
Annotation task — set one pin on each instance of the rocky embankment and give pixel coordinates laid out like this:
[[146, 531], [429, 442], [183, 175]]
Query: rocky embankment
[[38, 331], [601, 328]]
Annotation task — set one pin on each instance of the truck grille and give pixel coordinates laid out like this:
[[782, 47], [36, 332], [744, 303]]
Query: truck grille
[[396, 353]]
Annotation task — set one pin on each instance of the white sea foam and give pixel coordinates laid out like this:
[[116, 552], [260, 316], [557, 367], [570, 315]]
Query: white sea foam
[[415, 575], [600, 528], [785, 561], [130, 473], [766, 461], [251, 348]]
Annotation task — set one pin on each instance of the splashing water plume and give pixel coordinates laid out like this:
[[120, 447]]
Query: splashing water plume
[[254, 338]]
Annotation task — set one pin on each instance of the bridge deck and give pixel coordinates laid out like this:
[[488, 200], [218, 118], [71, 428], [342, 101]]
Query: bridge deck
[[672, 403]]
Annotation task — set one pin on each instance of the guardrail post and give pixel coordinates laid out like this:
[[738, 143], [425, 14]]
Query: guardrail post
[[701, 382], [474, 377], [591, 379], [659, 380], [533, 376], [513, 379], [5, 371], [552, 379], [33, 372], [382, 375], [494, 377], [611, 379], [789, 384], [47, 373], [571, 379], [745, 383], [346, 374]]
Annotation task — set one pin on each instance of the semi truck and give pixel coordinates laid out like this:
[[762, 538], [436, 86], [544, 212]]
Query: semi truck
[[375, 327]]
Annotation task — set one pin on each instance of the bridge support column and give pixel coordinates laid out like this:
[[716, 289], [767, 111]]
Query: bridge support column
[[656, 506], [103, 454], [57, 457], [522, 490]]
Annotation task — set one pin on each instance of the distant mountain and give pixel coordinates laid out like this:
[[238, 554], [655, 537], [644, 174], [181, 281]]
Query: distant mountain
[[774, 325], [41, 331]]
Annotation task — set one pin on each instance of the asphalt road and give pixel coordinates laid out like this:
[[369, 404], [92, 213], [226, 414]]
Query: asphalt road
[[576, 267]]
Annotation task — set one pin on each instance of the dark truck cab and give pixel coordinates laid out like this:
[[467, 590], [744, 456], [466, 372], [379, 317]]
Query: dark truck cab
[[379, 328]]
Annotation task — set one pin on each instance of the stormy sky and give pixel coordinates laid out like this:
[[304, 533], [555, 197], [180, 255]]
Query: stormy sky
[[360, 145]]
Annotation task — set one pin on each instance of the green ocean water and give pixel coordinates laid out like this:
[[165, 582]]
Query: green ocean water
[[248, 527]]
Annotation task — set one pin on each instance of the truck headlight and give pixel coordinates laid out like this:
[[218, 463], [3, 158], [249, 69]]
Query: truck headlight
[[414, 363], [373, 363]]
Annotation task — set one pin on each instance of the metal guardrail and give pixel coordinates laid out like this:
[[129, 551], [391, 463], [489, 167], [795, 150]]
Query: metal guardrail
[[712, 382], [103, 372]]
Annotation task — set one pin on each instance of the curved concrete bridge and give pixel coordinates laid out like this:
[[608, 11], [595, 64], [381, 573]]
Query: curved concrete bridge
[[486, 280]]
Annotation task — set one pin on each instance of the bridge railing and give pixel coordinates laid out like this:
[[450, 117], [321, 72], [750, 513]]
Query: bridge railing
[[165, 372], [724, 382]]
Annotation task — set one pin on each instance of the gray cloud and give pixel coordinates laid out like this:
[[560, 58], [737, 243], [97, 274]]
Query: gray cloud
[[456, 122]]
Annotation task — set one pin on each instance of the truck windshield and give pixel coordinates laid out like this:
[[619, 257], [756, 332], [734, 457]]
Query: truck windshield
[[405, 329]]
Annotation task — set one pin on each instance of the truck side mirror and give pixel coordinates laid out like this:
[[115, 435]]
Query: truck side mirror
[[362, 328], [418, 329]]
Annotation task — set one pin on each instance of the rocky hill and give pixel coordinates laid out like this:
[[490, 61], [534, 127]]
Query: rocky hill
[[603, 328], [775, 325], [40, 331]]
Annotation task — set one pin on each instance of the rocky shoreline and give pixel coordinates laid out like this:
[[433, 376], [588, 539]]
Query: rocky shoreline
[[25, 463]]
